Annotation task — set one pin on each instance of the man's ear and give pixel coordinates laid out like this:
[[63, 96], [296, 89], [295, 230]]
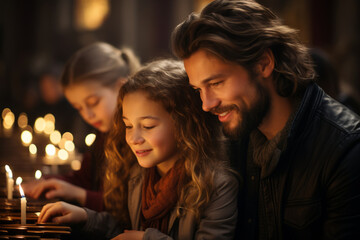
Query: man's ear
[[266, 64]]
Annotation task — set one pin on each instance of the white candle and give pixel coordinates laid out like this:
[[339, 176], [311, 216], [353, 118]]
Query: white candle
[[9, 182], [23, 206]]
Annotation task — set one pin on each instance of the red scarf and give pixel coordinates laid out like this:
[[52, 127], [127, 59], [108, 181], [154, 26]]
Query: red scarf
[[159, 197]]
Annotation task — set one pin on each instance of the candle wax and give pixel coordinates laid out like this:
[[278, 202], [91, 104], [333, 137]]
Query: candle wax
[[23, 210], [10, 187]]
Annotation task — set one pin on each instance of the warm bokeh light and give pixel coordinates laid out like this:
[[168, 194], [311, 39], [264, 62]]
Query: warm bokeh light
[[69, 146], [63, 154], [62, 143], [49, 127], [90, 14], [18, 180], [9, 120], [22, 120], [26, 137], [68, 136], [38, 174], [4, 112], [32, 149], [49, 117], [55, 137], [89, 139], [50, 150], [39, 125], [75, 165]]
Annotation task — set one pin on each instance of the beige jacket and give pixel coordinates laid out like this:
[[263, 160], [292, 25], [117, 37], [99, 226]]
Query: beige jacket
[[218, 220]]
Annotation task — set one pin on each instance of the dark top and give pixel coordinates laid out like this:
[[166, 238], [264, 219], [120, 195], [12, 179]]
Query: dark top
[[90, 175], [314, 190]]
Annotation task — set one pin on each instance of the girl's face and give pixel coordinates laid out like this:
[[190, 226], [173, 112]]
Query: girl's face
[[150, 132], [95, 103]]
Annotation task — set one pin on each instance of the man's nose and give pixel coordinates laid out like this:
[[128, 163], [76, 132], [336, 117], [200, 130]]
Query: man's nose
[[209, 100]]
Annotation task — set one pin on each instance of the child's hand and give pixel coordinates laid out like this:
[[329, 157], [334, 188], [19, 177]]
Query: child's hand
[[55, 188], [130, 235], [62, 213]]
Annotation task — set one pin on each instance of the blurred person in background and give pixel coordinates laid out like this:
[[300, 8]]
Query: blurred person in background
[[91, 81]]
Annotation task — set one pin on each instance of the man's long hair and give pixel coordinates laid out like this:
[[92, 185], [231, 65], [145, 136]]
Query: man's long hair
[[240, 31]]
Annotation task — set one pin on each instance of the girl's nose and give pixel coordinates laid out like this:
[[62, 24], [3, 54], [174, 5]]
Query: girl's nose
[[136, 137]]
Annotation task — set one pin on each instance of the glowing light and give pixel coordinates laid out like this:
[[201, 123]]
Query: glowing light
[[90, 14], [69, 146], [18, 180], [26, 137], [68, 136], [4, 112], [55, 137], [49, 127], [38, 174], [32, 149], [9, 120], [22, 120], [50, 149], [75, 165], [49, 117], [62, 143], [8, 169], [21, 191], [89, 139], [39, 125], [63, 154]]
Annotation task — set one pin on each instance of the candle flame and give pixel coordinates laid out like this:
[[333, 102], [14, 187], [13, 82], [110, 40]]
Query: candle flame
[[19, 180], [21, 191], [8, 170]]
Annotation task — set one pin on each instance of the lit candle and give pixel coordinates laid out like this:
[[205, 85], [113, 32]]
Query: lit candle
[[23, 206], [10, 182], [18, 180]]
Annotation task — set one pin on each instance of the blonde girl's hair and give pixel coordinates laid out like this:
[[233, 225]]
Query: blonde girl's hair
[[198, 133], [100, 62]]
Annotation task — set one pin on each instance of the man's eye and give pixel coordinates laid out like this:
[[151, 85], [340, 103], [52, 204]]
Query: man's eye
[[214, 84]]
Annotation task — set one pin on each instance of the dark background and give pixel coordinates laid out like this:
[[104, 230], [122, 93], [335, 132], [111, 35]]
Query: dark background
[[38, 33]]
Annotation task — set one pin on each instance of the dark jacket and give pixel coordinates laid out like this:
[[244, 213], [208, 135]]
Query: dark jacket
[[314, 192]]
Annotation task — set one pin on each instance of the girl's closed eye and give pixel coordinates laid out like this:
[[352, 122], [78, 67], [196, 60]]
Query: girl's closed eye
[[93, 101]]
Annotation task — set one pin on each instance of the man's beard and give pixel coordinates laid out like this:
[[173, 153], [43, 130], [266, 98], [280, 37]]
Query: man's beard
[[251, 118]]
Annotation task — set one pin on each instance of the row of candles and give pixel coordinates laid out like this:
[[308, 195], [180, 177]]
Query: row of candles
[[10, 189], [61, 147]]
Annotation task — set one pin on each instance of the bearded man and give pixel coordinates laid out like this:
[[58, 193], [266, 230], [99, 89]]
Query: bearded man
[[296, 149]]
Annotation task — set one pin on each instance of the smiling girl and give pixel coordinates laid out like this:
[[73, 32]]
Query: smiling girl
[[166, 176]]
